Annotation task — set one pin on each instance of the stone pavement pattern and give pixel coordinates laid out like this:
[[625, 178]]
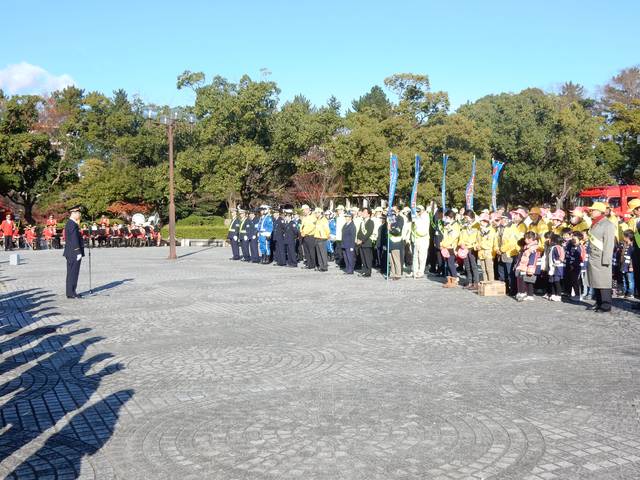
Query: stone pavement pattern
[[204, 368]]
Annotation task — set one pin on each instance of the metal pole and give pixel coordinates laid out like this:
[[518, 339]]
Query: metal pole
[[172, 205]]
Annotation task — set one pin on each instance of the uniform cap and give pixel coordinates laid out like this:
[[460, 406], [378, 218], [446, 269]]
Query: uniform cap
[[599, 206], [535, 211], [633, 204], [495, 216], [264, 207], [340, 207], [328, 212], [378, 209], [348, 213], [420, 208], [305, 206], [484, 218], [406, 210], [558, 215], [77, 208], [317, 210]]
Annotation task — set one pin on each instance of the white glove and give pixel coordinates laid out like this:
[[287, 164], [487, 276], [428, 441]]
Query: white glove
[[78, 257], [235, 238], [246, 238], [351, 249]]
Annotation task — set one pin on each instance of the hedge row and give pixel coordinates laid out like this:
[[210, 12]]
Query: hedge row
[[195, 231]]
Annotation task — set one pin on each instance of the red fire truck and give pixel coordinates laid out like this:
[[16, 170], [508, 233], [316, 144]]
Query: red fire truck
[[617, 196]]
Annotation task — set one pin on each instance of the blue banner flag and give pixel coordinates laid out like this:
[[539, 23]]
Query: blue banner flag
[[443, 190], [468, 195], [393, 179], [496, 167], [414, 192]]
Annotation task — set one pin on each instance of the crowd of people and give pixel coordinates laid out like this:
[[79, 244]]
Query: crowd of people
[[101, 233], [587, 253]]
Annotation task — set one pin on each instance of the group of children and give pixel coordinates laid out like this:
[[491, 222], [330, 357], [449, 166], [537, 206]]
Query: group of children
[[531, 251]]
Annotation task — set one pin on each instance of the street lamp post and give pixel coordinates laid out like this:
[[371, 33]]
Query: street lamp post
[[171, 121]]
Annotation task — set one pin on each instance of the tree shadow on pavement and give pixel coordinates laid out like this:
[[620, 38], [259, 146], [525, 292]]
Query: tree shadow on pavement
[[49, 375]]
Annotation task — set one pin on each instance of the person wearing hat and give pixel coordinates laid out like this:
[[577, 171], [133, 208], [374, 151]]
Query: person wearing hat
[[509, 236], [73, 251], [307, 229], [557, 222], [339, 219], [486, 247], [364, 241], [252, 233], [265, 229], [633, 224], [331, 243], [420, 239], [7, 227], [396, 245], [579, 222], [244, 235], [537, 223], [277, 238], [602, 237], [448, 246], [467, 248], [349, 243], [321, 236], [406, 253], [290, 238], [233, 235]]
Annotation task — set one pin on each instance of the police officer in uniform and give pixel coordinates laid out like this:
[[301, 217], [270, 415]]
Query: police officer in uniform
[[244, 237], [279, 254], [265, 228], [234, 236], [73, 251], [290, 238], [252, 233]]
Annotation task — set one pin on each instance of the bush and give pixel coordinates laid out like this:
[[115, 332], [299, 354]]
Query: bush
[[197, 231], [200, 220]]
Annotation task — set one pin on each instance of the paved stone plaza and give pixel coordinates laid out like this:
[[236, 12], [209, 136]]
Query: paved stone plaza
[[209, 369]]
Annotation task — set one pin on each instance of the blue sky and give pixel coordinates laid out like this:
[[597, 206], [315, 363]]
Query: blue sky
[[317, 48]]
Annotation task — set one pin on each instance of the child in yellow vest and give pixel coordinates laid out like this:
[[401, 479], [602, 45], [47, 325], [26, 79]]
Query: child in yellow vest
[[486, 246]]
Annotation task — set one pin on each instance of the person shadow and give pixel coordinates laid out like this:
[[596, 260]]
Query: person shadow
[[108, 286], [62, 454], [50, 376]]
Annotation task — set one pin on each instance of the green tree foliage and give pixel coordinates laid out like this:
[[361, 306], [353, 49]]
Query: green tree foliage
[[97, 149], [28, 158]]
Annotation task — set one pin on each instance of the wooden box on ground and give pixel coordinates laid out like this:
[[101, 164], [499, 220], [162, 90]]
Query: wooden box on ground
[[491, 289]]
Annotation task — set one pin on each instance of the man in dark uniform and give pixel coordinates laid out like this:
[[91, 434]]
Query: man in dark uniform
[[73, 251], [349, 243], [234, 236], [364, 234], [290, 238], [279, 252], [243, 236], [252, 233]]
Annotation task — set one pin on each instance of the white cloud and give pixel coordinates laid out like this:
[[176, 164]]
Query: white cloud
[[26, 78]]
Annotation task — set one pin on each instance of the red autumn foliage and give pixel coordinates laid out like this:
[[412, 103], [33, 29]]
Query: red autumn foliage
[[125, 209]]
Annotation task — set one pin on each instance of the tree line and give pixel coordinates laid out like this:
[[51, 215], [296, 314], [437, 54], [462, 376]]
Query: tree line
[[78, 147]]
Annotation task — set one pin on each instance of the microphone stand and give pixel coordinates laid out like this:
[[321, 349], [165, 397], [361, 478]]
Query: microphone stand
[[90, 286]]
